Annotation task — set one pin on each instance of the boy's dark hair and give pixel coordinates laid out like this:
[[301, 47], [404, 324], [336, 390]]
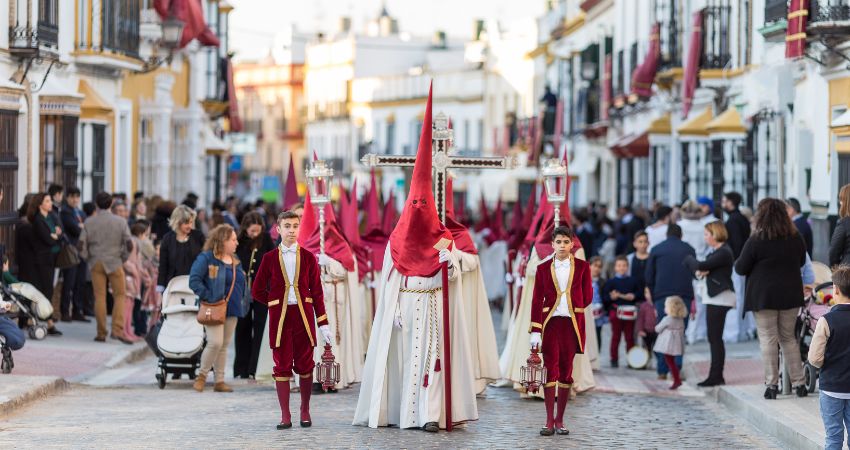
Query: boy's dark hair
[[103, 200], [138, 195], [54, 189], [72, 191], [89, 208], [621, 258], [841, 279], [735, 198], [662, 212], [562, 231], [594, 259], [794, 204], [640, 233], [287, 215], [674, 230], [139, 227]]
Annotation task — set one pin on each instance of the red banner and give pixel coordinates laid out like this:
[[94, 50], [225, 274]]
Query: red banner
[[607, 88], [795, 34], [691, 78], [644, 75], [559, 125]]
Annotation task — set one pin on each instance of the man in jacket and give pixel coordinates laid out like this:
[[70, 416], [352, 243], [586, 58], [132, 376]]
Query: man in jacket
[[104, 244], [667, 275], [73, 278], [792, 205], [738, 228]]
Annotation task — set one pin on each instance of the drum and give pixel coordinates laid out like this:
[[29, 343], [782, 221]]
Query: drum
[[627, 312], [638, 357], [598, 310]]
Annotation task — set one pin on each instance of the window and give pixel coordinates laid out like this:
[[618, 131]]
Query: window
[[147, 152], [480, 135], [390, 149], [98, 172], [716, 26], [8, 178], [625, 175], [466, 137], [660, 155], [120, 26], [703, 177], [686, 173], [641, 186], [843, 168], [58, 159], [48, 22], [717, 176]]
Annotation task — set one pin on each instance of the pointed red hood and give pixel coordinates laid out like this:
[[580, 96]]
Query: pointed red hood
[[419, 228], [530, 209], [460, 234], [496, 224], [484, 221], [336, 246], [349, 216], [373, 215], [290, 193], [390, 215]]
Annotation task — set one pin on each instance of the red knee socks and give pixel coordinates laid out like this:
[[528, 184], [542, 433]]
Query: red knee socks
[[674, 370], [283, 399], [549, 401], [306, 385], [563, 397]]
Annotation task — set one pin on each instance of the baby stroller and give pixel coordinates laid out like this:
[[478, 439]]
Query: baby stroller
[[181, 338], [814, 308], [29, 307]]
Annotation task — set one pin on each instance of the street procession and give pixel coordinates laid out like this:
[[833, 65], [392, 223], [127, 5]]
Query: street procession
[[394, 224]]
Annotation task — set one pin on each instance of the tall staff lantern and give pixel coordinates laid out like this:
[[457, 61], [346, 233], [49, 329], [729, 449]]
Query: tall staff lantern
[[555, 181], [319, 177]]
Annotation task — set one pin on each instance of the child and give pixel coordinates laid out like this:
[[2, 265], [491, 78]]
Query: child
[[598, 306], [646, 321], [8, 278], [620, 294], [830, 350], [671, 335]]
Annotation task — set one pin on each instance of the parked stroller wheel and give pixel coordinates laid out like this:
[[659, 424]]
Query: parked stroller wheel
[[811, 373], [7, 363], [38, 332], [160, 378]]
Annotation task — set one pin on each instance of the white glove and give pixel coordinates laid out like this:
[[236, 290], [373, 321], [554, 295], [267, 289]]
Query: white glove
[[372, 284], [160, 289], [520, 282], [509, 278], [324, 260], [326, 332], [444, 256], [535, 340]]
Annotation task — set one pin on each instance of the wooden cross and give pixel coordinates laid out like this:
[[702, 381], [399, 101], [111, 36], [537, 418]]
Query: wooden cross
[[442, 140]]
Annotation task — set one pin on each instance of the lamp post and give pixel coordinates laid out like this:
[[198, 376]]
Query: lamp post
[[172, 32], [555, 181], [319, 177]]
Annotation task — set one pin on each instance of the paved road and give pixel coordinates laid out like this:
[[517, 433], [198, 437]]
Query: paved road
[[131, 412]]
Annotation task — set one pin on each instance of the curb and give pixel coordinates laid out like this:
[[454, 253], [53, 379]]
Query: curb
[[782, 428], [124, 357], [51, 386]]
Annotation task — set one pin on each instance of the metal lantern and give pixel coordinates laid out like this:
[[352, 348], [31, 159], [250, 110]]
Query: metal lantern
[[533, 374], [172, 32], [327, 371], [319, 177], [555, 181]]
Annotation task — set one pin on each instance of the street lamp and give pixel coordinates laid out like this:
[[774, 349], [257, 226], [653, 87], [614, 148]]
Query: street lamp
[[319, 177], [555, 181], [172, 32]]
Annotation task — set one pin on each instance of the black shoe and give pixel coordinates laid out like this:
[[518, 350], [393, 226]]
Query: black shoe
[[332, 391], [317, 388], [284, 426], [306, 423], [65, 318], [431, 427], [53, 332], [801, 391], [563, 431], [547, 431], [771, 392], [710, 382], [80, 318], [100, 339], [615, 364]]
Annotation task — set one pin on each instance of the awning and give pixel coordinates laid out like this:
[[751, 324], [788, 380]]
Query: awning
[[632, 146], [93, 105], [214, 145], [727, 124], [57, 98], [695, 128], [660, 126]]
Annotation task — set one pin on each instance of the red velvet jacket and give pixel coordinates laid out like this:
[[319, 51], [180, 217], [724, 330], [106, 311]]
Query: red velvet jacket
[[270, 287], [579, 297]]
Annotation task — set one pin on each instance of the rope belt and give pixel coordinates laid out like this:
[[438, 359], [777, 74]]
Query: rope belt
[[433, 328]]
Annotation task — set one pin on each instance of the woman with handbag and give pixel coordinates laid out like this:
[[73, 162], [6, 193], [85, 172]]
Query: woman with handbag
[[717, 293], [217, 279]]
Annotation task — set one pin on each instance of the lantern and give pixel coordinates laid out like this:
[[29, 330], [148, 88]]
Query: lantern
[[327, 371], [533, 374], [555, 181], [172, 32], [319, 177]]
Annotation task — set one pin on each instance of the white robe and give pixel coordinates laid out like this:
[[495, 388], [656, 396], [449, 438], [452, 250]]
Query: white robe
[[366, 313], [493, 259], [343, 311], [479, 320], [392, 391]]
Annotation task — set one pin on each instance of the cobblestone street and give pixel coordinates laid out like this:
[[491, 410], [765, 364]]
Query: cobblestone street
[[135, 414]]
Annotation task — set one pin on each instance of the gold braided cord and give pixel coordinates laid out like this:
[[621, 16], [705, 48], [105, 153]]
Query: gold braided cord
[[434, 342]]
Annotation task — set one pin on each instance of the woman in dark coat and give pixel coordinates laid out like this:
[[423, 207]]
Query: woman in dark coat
[[179, 247], [254, 242], [771, 260], [839, 245], [36, 247]]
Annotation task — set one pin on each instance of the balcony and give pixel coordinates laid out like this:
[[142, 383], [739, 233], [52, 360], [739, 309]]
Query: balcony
[[829, 18], [121, 27], [716, 26], [667, 14], [775, 20], [28, 41]]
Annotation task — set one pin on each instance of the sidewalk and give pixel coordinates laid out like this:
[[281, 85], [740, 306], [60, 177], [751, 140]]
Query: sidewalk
[[52, 364]]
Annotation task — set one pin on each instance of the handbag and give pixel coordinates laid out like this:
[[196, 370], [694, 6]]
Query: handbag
[[627, 312], [68, 256], [216, 313]]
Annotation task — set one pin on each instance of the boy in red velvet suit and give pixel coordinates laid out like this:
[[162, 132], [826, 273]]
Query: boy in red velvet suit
[[561, 293], [289, 283]]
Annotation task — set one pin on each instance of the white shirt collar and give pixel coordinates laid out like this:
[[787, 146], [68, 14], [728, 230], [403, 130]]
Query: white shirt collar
[[286, 249]]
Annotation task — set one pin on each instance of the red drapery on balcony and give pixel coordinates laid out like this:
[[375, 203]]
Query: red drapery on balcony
[[607, 88], [795, 34], [559, 125], [192, 16], [691, 76], [232, 104], [644, 75]]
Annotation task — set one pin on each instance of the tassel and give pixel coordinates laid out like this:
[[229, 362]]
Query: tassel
[[425, 383], [437, 365]]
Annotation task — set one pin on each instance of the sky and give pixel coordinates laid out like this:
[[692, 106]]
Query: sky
[[254, 23]]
